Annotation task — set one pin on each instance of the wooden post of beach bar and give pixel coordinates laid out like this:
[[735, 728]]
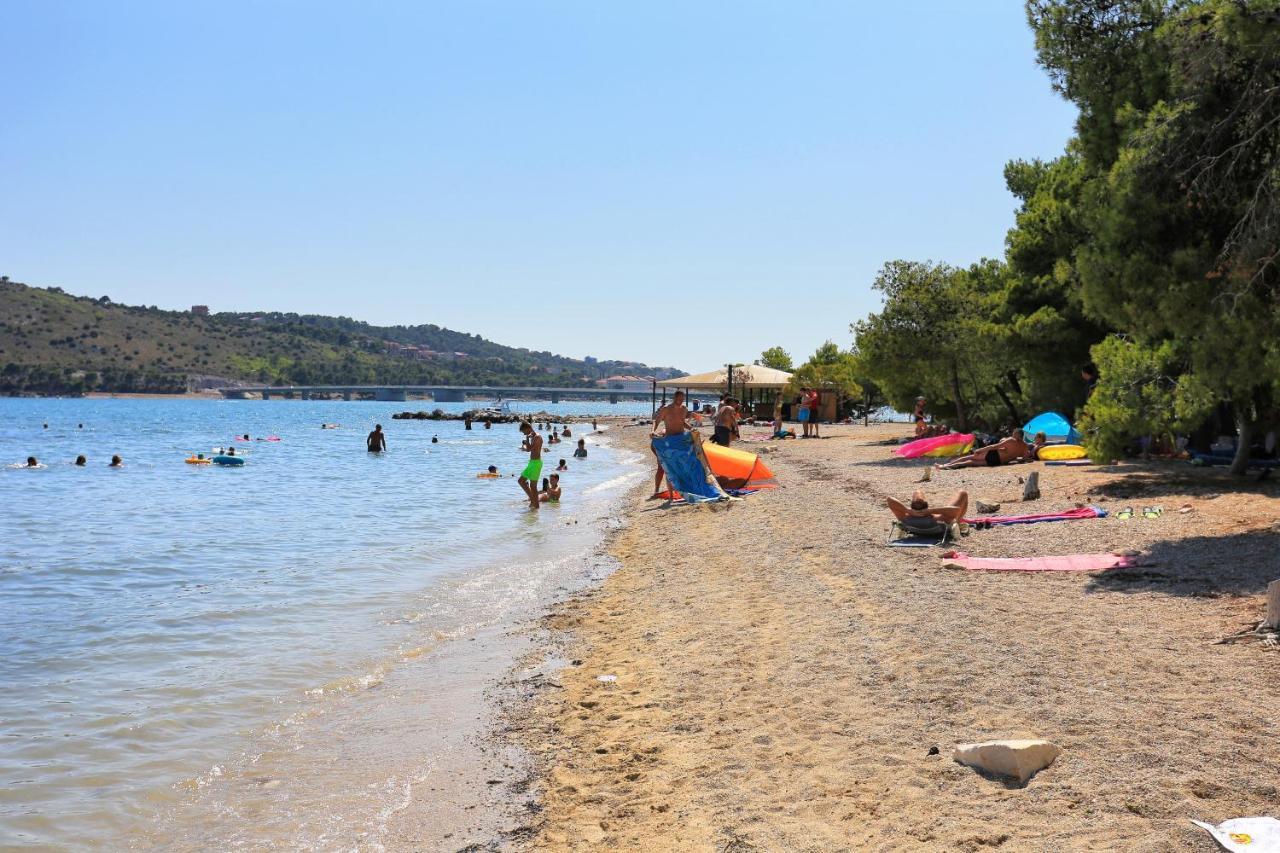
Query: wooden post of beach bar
[[1272, 620]]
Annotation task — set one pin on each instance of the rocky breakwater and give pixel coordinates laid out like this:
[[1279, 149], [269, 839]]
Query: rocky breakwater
[[480, 416]]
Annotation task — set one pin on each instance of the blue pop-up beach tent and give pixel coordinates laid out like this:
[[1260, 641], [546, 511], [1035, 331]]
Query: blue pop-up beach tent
[[1056, 428]]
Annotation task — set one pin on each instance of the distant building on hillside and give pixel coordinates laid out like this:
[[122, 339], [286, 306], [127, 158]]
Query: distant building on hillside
[[200, 310], [626, 383]]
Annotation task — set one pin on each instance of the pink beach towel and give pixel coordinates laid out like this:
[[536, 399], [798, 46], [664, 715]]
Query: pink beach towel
[[1065, 563], [1065, 515]]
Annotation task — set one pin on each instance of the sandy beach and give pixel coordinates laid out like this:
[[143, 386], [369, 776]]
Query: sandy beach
[[781, 675]]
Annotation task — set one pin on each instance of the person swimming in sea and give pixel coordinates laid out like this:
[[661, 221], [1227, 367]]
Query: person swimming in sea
[[81, 461], [563, 466], [32, 462], [581, 452], [376, 442], [117, 462], [435, 439], [550, 493]]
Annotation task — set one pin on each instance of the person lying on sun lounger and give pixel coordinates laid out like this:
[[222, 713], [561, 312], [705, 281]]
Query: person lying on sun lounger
[[1011, 449], [919, 508]]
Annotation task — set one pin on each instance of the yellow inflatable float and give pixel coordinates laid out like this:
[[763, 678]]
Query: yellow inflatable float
[[1061, 452]]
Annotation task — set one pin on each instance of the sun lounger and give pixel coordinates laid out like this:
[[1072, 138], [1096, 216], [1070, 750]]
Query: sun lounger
[[919, 532]]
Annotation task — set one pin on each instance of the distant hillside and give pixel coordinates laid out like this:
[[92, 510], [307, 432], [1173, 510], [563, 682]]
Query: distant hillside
[[52, 342]]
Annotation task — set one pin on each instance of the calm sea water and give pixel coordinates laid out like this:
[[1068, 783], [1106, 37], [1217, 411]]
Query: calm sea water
[[156, 620]]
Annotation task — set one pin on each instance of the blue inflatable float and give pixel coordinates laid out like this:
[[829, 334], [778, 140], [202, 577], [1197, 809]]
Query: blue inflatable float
[[223, 459]]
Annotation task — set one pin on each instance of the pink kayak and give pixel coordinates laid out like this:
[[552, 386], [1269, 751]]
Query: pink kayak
[[938, 445]]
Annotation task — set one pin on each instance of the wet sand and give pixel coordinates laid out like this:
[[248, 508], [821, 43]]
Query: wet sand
[[781, 675]]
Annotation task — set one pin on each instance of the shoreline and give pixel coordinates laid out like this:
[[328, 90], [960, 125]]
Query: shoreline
[[781, 676], [419, 739]]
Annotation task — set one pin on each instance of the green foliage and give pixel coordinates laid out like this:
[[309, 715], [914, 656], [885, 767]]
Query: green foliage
[[777, 358], [1182, 209], [1144, 391], [831, 369], [1151, 246], [933, 337], [1040, 319]]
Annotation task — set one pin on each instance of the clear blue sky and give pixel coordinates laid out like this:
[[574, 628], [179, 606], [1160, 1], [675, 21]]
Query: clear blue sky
[[679, 183]]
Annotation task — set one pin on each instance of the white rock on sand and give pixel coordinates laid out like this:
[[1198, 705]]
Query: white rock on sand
[[1020, 759]]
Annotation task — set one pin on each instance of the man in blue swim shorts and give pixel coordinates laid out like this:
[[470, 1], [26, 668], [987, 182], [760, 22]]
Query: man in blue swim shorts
[[529, 476]]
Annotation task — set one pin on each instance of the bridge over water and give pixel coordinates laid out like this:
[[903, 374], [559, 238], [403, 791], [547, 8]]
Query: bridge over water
[[438, 393]]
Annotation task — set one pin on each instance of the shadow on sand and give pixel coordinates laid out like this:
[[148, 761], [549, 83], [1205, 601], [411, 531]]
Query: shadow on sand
[[1157, 480], [1200, 567]]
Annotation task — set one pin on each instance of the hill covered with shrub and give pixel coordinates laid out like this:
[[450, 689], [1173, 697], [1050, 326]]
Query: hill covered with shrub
[[54, 342]]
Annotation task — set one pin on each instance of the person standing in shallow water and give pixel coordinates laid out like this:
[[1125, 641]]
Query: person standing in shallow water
[[377, 440], [529, 476]]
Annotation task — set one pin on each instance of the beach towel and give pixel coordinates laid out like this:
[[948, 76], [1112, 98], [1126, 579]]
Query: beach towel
[[686, 468], [1245, 834], [1067, 515], [1065, 563]]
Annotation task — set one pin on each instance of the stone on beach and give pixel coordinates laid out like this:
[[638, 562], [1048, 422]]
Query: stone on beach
[[987, 507], [1031, 491], [1020, 759]]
